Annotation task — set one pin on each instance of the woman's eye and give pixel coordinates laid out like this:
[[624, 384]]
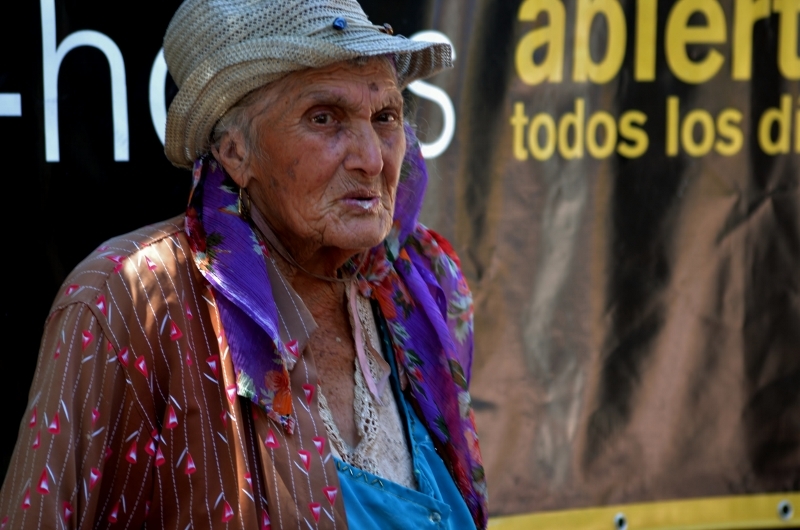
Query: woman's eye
[[386, 117], [321, 119]]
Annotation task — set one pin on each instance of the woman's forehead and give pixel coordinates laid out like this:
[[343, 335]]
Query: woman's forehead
[[340, 83], [346, 96]]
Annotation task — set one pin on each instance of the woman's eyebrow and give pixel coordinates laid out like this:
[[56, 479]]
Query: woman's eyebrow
[[325, 97], [394, 98], [336, 99]]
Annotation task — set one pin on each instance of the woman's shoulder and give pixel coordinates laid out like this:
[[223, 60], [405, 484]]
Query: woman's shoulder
[[138, 257], [145, 294]]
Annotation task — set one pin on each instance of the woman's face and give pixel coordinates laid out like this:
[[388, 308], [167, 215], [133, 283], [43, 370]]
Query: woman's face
[[328, 146]]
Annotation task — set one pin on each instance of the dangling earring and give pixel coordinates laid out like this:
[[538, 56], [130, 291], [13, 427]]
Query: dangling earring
[[244, 204]]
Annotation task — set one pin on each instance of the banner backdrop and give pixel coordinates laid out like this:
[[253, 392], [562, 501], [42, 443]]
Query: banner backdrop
[[619, 177]]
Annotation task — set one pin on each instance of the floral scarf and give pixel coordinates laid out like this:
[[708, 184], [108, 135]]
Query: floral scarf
[[415, 277]]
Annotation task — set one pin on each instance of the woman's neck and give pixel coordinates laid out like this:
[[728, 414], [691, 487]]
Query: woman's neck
[[320, 296], [313, 276], [308, 256]]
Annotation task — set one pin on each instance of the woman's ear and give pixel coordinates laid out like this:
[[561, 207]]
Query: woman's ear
[[232, 153]]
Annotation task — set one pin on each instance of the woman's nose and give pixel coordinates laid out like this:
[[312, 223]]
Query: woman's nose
[[365, 154]]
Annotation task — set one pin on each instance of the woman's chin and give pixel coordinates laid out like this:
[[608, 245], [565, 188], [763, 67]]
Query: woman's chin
[[359, 235]]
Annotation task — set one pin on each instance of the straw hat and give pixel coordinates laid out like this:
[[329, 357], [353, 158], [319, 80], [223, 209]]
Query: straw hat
[[217, 51]]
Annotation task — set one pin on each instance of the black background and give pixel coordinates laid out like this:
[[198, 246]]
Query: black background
[[57, 213]]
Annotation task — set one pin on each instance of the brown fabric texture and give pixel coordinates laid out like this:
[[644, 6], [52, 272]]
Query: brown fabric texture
[[131, 420]]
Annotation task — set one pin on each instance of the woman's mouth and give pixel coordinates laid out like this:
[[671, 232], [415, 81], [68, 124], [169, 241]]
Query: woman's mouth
[[365, 202]]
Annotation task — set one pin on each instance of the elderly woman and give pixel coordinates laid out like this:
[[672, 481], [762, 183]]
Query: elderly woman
[[293, 352]]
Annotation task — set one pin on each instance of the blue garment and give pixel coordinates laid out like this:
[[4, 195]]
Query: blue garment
[[374, 502]]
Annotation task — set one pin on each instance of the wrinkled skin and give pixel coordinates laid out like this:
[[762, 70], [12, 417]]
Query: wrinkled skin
[[329, 144]]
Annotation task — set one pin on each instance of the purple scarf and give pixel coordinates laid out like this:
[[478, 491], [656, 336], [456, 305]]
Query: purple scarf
[[416, 279]]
